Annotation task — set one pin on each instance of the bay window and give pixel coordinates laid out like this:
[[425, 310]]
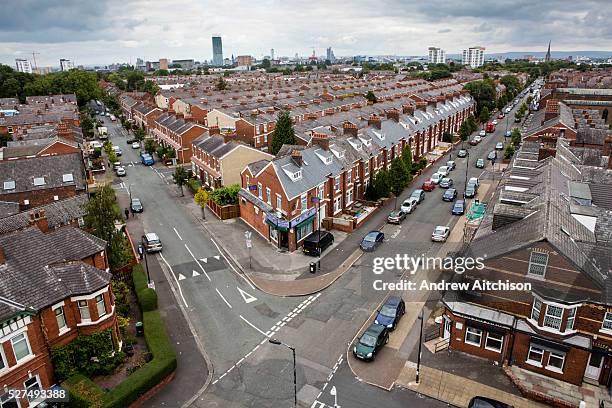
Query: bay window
[[100, 305], [552, 318], [21, 347], [535, 311], [60, 318], [84, 310], [607, 322]]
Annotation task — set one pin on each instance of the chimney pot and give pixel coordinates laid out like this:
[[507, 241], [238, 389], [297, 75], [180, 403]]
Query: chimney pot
[[39, 218], [296, 155]]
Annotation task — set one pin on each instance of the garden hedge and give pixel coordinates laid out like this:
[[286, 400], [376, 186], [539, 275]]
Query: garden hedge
[[84, 391]]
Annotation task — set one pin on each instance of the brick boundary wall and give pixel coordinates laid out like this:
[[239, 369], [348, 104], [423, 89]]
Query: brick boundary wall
[[537, 396], [149, 394]]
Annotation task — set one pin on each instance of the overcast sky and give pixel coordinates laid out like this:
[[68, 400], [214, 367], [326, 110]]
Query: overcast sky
[[105, 31]]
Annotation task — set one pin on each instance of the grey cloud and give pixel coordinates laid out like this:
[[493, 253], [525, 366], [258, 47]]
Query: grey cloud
[[444, 30]]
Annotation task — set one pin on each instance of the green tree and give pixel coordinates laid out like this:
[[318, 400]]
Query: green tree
[[382, 184], [11, 87], [516, 137], [283, 132], [265, 64], [371, 97], [464, 131], [102, 213], [483, 93], [407, 159], [201, 199], [118, 250], [139, 134], [447, 137], [397, 176], [484, 114], [471, 121], [509, 152], [5, 138], [511, 83], [221, 84], [180, 178], [150, 146]]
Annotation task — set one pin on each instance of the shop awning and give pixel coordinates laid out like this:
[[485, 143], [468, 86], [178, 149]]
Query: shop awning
[[306, 221]]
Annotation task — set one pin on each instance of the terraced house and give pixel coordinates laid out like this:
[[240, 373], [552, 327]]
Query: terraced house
[[287, 198], [172, 131], [54, 286], [549, 227]]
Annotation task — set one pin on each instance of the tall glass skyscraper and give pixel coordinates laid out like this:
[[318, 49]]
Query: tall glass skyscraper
[[217, 51]]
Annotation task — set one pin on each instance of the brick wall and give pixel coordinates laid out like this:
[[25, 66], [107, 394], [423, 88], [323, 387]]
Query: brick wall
[[40, 197]]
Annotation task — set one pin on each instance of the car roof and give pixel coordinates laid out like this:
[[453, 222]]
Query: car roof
[[418, 190], [151, 236], [374, 232], [375, 329], [393, 301], [462, 202], [451, 190], [135, 199], [315, 235]]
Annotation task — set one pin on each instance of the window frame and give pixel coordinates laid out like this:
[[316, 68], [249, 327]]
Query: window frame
[[337, 183], [468, 331], [571, 315], [38, 385], [553, 317], [279, 202], [538, 309], [537, 363], [27, 342], [3, 360], [86, 307], [558, 356], [259, 192], [609, 320], [269, 196], [62, 314], [9, 399], [500, 340], [532, 263], [98, 301]]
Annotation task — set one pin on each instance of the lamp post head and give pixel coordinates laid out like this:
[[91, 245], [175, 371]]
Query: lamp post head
[[274, 341]]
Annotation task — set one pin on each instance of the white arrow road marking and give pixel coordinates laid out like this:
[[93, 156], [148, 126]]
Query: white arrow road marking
[[196, 260], [205, 260], [181, 277], [248, 298], [222, 297], [195, 274], [217, 257]]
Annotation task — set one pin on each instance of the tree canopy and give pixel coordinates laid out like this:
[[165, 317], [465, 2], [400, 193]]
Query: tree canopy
[[283, 131]]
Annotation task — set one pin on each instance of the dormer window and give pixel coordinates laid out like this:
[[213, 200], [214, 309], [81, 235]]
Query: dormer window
[[381, 136], [9, 185], [297, 175], [538, 261]]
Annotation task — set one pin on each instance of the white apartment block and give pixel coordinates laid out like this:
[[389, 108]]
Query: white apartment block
[[437, 55], [23, 65], [473, 56], [66, 64]]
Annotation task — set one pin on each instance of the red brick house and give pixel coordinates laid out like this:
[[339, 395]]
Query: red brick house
[[55, 286], [170, 130], [144, 115], [544, 230]]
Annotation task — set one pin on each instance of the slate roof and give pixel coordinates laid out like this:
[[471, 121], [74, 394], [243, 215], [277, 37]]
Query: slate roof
[[8, 208], [52, 168], [41, 269], [58, 213]]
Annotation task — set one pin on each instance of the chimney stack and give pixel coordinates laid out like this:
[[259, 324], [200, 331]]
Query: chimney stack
[[393, 114], [552, 109], [408, 110], [350, 129], [214, 130], [39, 218], [296, 155], [321, 139], [421, 105], [2, 257], [375, 121]]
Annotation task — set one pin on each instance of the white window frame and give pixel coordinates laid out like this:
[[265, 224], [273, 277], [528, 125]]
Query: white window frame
[[571, 318], [248, 180], [349, 176], [536, 265], [337, 204], [535, 311], [27, 341], [366, 168], [98, 301], [473, 331], [32, 387], [535, 362], [64, 328], [8, 399], [9, 185], [349, 197], [37, 181], [259, 192], [80, 307], [68, 178], [337, 183], [606, 325], [491, 336], [304, 202], [548, 317], [279, 202], [269, 196], [320, 190], [557, 356], [3, 360]]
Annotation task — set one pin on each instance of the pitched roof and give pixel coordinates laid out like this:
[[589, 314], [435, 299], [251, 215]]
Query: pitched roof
[[58, 213]]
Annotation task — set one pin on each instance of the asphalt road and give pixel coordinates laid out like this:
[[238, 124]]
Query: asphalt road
[[233, 321]]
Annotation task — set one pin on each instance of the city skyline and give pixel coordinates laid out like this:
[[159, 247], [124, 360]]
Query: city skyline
[[389, 30]]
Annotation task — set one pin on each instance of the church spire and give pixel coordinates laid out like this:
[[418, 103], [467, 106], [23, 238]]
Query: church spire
[[547, 57]]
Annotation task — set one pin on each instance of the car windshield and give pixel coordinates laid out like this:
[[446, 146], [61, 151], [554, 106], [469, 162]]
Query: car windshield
[[445, 180], [394, 214], [371, 237], [388, 311], [368, 340], [439, 231]]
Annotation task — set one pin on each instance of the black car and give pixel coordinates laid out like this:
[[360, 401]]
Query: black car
[[492, 155], [458, 207], [136, 205], [391, 312], [470, 190], [370, 342], [484, 402], [449, 195], [462, 153], [317, 242], [130, 141], [372, 240]]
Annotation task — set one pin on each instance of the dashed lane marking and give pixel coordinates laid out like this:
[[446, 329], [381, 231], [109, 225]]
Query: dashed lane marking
[[222, 297], [177, 233]]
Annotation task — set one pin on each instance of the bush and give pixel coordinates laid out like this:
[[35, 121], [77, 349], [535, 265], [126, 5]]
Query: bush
[[193, 185], [148, 299], [509, 151], [226, 195], [83, 392]]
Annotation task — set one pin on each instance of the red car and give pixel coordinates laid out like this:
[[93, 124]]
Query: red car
[[428, 185]]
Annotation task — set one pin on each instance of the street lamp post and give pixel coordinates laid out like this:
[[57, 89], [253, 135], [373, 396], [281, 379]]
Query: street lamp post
[[317, 201], [418, 370], [280, 343], [467, 164]]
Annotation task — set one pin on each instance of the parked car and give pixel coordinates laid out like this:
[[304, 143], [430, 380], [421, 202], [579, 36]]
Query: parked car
[[95, 144], [120, 171], [517, 120], [317, 242], [451, 165], [136, 205], [131, 141], [436, 177], [370, 342], [147, 159], [475, 140], [116, 165], [443, 170], [391, 312], [492, 155], [508, 133], [117, 151], [480, 163], [418, 195], [151, 242], [449, 195], [136, 145], [499, 146], [396, 217], [462, 153], [470, 190], [484, 402], [409, 205], [372, 240], [428, 185], [458, 207], [508, 109], [482, 133], [440, 233], [494, 122], [474, 180], [446, 182]]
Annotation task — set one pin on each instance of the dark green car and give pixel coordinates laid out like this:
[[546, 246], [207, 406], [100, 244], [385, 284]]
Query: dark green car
[[370, 342]]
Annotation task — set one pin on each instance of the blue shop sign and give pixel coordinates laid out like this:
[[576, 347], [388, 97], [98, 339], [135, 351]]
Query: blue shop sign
[[303, 217]]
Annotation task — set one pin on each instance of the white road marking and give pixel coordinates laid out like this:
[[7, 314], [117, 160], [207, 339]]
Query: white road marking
[[205, 260], [174, 276], [232, 266], [194, 274], [248, 298], [217, 257], [198, 262], [181, 277], [222, 297], [177, 233], [253, 326]]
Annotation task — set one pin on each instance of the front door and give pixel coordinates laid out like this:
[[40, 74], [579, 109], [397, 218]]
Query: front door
[[447, 328], [593, 369], [283, 239]]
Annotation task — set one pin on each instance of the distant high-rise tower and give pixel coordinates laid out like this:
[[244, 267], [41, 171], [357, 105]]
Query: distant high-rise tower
[[271, 53], [330, 55], [23, 65], [547, 57], [473, 56], [437, 55], [217, 51], [66, 64]]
